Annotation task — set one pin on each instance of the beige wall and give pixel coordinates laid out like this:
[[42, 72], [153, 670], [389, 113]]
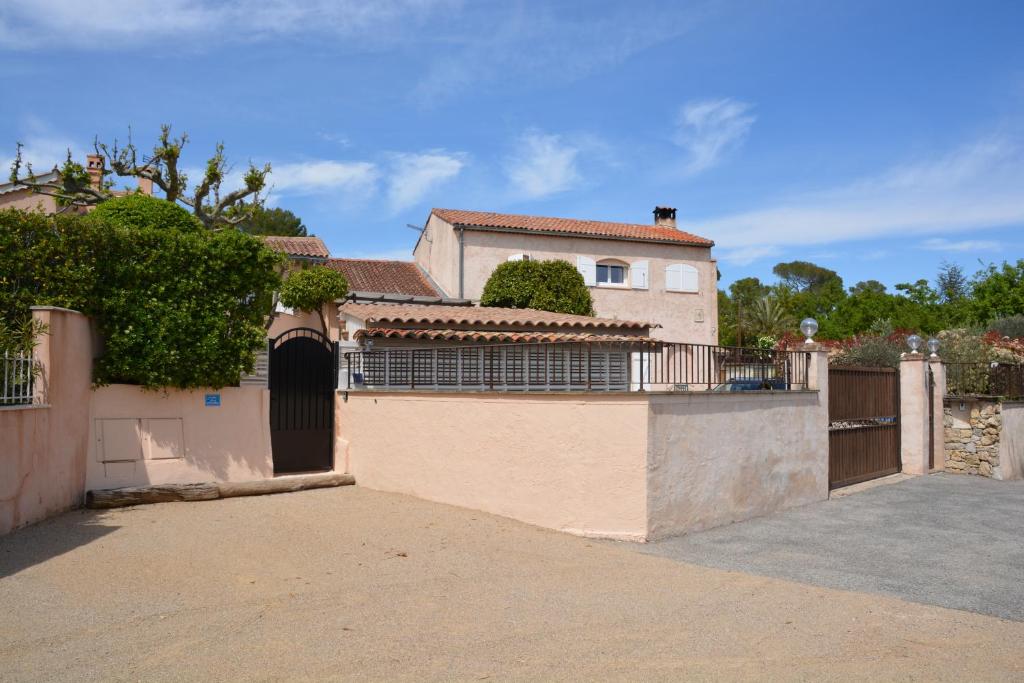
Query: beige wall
[[26, 200], [718, 458], [140, 437], [684, 317], [1011, 441], [570, 462], [914, 414], [42, 447]]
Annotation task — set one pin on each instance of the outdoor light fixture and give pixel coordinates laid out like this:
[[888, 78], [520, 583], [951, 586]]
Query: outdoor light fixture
[[914, 342], [933, 346], [809, 326]]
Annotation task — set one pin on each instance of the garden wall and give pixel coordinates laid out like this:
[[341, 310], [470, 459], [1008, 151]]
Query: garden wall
[[140, 437], [43, 446], [984, 437]]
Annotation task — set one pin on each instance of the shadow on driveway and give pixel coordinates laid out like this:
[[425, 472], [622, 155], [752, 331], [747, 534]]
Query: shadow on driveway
[[37, 543], [948, 540]]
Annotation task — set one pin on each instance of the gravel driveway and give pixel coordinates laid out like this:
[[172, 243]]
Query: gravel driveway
[[948, 540], [352, 584]]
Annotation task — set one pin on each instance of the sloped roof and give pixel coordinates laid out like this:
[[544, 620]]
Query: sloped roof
[[511, 336], [485, 220], [386, 277], [372, 314], [311, 246]]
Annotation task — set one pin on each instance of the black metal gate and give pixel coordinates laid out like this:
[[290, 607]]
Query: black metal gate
[[864, 424], [303, 377]]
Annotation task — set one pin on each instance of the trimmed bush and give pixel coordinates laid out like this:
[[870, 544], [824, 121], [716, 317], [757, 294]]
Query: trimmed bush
[[137, 211], [543, 285], [311, 289]]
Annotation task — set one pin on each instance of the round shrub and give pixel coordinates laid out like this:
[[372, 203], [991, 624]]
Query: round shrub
[[554, 286], [136, 211]]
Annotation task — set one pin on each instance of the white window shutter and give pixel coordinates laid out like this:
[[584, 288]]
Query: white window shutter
[[588, 269], [517, 257], [674, 277], [639, 274], [691, 280]]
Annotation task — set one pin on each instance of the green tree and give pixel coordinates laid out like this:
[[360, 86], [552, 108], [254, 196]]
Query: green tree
[[276, 221], [997, 292], [543, 285], [313, 288], [768, 318], [213, 208], [175, 307]]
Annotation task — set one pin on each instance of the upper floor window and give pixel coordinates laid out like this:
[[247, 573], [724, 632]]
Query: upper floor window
[[611, 274], [681, 277]]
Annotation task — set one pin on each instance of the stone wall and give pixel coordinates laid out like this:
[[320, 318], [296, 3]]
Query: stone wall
[[972, 436]]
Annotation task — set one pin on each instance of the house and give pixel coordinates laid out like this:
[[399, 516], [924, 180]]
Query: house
[[653, 272], [18, 196], [369, 280]]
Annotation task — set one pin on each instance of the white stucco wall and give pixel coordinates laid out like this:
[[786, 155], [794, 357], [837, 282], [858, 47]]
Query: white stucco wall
[[718, 458], [683, 316]]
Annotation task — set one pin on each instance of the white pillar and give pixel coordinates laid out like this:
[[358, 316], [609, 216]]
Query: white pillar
[[938, 398], [914, 414]]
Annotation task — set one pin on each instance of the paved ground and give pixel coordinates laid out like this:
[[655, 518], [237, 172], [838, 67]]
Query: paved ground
[[947, 540], [351, 584]]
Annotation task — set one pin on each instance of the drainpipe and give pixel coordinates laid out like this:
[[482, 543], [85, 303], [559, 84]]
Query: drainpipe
[[462, 294]]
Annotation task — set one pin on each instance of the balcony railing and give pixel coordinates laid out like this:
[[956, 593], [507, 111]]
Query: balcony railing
[[1002, 380], [588, 366], [17, 379]]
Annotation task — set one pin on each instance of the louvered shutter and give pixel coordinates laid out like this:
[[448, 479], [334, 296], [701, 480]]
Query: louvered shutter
[[588, 269], [674, 277], [691, 280], [639, 274]]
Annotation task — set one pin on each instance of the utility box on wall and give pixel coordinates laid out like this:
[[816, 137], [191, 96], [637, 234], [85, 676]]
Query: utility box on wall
[[131, 439]]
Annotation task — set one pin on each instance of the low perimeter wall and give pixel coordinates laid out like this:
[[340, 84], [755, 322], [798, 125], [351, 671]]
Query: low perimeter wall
[[139, 437], [627, 466], [42, 446], [714, 459], [984, 436], [571, 462]]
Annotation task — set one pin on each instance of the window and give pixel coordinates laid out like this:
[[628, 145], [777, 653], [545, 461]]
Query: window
[[681, 277], [611, 275], [519, 257]]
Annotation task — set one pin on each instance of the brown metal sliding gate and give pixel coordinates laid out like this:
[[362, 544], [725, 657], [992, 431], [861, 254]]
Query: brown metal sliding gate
[[864, 424]]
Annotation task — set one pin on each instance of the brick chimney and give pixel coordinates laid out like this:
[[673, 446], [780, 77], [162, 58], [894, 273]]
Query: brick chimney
[[94, 165], [665, 216], [146, 186]]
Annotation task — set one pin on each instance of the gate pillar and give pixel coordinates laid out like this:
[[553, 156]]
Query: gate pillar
[[915, 440], [938, 397]]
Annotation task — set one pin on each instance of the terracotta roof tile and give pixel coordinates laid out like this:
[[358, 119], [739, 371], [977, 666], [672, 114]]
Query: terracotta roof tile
[[570, 226], [298, 246], [496, 336], [386, 277], [479, 316]]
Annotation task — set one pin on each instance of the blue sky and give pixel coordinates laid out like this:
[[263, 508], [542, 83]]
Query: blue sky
[[875, 138]]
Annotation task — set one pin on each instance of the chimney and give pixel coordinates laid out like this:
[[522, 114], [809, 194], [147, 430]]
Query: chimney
[[665, 216], [145, 186], [94, 165]]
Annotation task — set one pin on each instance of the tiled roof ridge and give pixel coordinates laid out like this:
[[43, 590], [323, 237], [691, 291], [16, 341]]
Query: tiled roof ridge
[[483, 316]]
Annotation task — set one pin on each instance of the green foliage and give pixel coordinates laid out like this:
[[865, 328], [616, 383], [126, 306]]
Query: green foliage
[[1010, 326], [310, 289], [136, 211], [767, 317], [262, 221], [879, 347], [543, 285], [997, 292], [21, 336], [176, 308], [803, 276]]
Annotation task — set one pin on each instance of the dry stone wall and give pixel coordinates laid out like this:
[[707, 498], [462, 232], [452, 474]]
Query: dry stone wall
[[972, 433]]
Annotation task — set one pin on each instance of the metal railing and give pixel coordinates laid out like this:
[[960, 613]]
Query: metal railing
[[1004, 380], [17, 379], [573, 366]]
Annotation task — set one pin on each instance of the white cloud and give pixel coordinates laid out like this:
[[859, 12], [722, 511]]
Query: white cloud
[[942, 244], [976, 186], [543, 165], [43, 148], [414, 176], [115, 24], [744, 256], [710, 129], [324, 176]]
